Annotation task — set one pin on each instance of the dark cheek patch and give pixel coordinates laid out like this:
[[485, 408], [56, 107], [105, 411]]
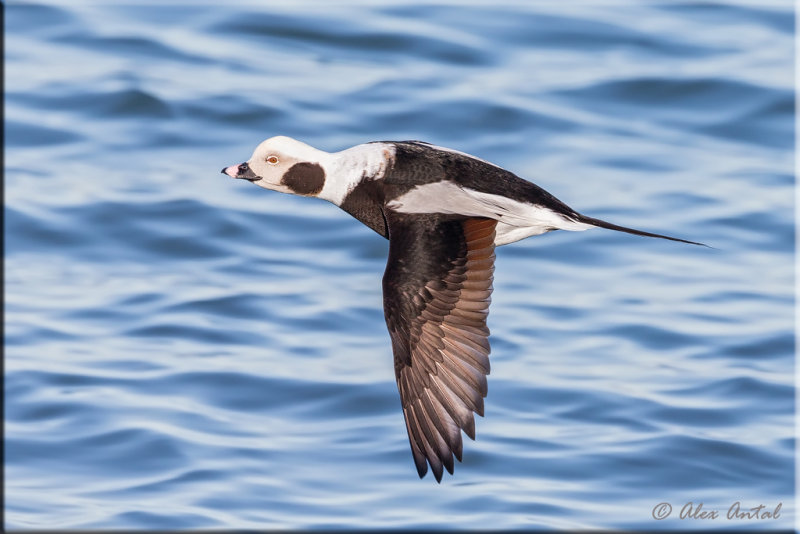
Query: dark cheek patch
[[304, 178]]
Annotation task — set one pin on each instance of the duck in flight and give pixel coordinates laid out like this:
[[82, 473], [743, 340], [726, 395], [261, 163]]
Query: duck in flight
[[443, 212]]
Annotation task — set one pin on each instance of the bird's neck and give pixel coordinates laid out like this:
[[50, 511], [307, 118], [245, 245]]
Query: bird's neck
[[346, 169]]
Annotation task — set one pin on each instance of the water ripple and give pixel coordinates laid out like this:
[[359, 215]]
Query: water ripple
[[186, 351]]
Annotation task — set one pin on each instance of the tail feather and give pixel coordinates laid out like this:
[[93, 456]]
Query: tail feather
[[603, 224]]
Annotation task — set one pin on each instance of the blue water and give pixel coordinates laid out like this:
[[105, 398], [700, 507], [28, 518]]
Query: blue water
[[184, 350]]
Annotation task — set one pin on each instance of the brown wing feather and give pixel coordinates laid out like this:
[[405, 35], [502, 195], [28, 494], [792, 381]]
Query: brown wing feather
[[439, 335]]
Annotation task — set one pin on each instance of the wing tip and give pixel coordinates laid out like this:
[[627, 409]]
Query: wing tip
[[421, 464]]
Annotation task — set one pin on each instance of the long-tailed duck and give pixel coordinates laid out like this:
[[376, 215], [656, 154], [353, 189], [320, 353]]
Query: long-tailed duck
[[443, 212]]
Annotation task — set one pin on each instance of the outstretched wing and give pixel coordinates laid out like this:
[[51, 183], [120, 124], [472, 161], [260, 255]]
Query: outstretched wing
[[436, 293]]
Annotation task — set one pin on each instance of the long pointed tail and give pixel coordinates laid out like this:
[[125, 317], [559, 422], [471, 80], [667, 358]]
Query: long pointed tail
[[603, 224]]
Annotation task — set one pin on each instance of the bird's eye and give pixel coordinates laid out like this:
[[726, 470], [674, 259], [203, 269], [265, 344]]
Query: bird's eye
[[272, 160]]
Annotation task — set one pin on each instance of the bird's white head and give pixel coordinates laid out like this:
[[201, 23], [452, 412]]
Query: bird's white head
[[289, 166], [286, 165]]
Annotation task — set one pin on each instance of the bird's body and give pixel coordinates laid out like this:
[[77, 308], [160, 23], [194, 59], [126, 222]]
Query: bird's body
[[443, 212]]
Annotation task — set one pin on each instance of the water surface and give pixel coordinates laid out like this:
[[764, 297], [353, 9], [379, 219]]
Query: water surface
[[184, 350]]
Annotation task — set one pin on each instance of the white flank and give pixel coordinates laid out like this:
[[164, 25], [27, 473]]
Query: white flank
[[505, 233], [346, 169], [518, 220]]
